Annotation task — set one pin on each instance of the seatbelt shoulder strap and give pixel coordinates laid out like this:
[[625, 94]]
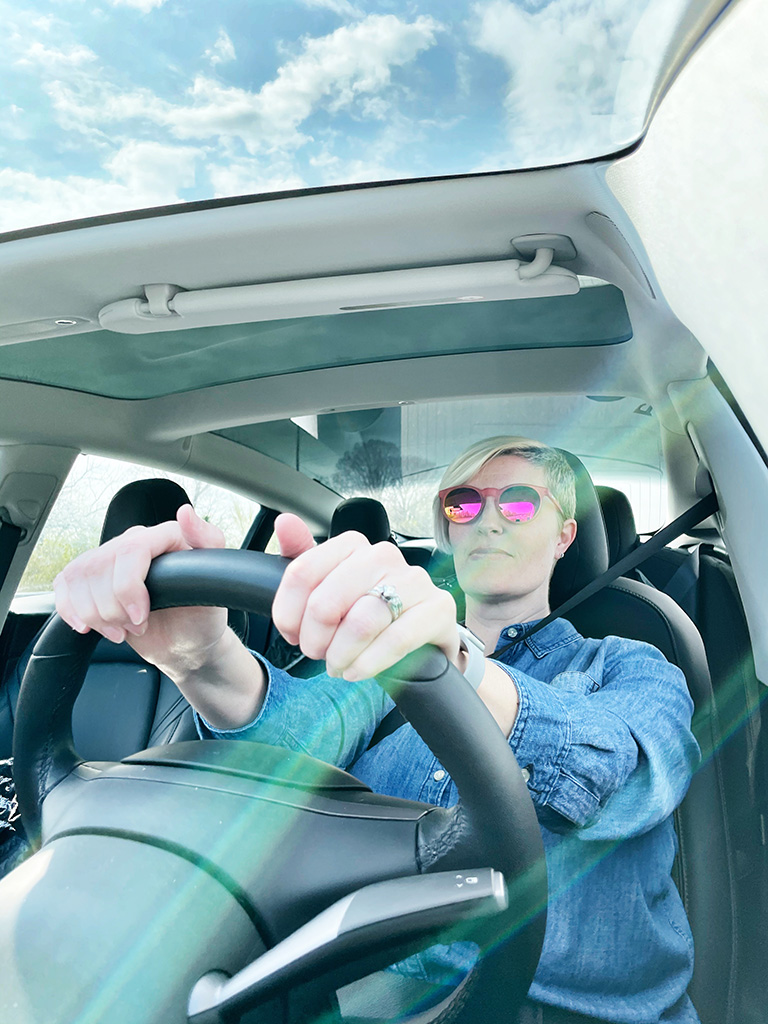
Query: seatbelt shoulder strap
[[390, 723], [691, 517]]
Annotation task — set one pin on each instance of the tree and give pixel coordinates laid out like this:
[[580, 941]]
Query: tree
[[369, 466], [404, 485]]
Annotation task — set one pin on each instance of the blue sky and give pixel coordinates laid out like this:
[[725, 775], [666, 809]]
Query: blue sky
[[123, 104]]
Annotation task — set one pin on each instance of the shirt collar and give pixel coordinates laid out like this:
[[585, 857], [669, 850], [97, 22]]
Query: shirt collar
[[556, 634]]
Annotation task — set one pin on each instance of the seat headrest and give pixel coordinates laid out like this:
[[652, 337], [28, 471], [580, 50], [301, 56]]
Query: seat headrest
[[142, 503], [147, 503], [365, 515], [587, 557], [619, 522]]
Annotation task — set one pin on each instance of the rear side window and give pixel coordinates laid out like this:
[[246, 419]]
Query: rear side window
[[74, 524]]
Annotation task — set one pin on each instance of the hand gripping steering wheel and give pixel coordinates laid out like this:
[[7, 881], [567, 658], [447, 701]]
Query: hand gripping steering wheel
[[185, 862]]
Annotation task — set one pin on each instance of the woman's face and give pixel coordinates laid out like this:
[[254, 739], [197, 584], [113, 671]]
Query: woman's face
[[497, 560]]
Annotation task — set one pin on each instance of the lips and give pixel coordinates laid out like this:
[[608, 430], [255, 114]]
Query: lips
[[480, 552]]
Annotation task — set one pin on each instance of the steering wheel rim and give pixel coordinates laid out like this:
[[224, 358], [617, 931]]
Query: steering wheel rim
[[494, 823]]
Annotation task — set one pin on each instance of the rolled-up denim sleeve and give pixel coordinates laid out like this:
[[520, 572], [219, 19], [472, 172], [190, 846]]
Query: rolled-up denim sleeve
[[328, 718], [612, 754]]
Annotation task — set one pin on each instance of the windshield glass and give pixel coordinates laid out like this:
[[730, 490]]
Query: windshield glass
[[142, 103]]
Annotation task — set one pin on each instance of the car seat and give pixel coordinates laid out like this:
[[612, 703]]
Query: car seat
[[365, 515], [702, 581], [705, 869], [126, 704]]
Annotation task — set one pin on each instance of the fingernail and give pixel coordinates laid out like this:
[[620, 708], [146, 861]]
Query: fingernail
[[115, 635], [78, 625], [135, 614]]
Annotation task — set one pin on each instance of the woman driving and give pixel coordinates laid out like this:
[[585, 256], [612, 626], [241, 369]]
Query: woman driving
[[600, 728]]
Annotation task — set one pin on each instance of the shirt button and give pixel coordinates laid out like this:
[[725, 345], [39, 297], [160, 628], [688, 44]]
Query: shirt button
[[511, 631], [439, 775], [525, 773]]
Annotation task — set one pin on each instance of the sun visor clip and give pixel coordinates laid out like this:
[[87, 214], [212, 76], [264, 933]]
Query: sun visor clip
[[540, 263], [159, 298], [541, 250]]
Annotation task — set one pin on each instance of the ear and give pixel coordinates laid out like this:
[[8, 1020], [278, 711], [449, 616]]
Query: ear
[[565, 537]]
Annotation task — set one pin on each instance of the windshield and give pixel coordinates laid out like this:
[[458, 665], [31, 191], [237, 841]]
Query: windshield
[[143, 103]]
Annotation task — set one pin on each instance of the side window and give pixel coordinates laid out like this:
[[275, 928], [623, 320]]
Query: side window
[[75, 522], [273, 545]]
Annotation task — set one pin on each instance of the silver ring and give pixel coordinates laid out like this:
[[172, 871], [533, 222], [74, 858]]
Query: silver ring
[[390, 597]]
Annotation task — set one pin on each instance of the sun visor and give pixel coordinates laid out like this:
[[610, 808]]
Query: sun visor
[[166, 307]]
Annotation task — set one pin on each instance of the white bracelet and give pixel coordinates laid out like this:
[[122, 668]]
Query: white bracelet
[[474, 648]]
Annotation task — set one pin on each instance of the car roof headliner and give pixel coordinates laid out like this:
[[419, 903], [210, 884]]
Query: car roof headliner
[[394, 227]]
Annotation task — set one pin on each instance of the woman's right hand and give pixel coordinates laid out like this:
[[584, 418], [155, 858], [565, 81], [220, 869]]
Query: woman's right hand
[[104, 590]]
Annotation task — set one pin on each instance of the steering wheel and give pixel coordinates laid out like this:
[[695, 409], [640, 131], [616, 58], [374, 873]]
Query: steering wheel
[[181, 863]]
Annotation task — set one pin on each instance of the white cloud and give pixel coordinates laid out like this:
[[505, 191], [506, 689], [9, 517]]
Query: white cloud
[[53, 58], [333, 71], [342, 7], [463, 77], [252, 177], [143, 175], [223, 49], [381, 159], [14, 123], [375, 108], [567, 62], [145, 6], [43, 23], [152, 167]]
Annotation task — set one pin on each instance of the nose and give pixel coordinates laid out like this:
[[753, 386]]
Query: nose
[[490, 519]]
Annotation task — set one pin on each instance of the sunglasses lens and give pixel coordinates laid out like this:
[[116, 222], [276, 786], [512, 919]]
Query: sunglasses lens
[[519, 504], [462, 504]]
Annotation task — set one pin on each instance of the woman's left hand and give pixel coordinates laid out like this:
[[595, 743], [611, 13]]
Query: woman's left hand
[[324, 603]]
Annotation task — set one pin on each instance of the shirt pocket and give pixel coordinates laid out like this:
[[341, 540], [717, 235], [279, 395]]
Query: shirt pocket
[[575, 682]]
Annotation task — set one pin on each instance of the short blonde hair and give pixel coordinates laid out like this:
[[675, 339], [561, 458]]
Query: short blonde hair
[[561, 479]]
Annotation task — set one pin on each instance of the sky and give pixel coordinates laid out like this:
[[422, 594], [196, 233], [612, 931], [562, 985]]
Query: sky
[[124, 104]]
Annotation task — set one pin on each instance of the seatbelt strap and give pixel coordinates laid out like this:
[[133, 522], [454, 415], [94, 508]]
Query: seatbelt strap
[[691, 517], [10, 535], [390, 723]]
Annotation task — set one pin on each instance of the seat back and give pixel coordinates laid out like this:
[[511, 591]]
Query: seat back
[[705, 872], [125, 704], [703, 581]]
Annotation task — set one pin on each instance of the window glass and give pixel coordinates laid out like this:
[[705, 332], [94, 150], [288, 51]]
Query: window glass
[[75, 522]]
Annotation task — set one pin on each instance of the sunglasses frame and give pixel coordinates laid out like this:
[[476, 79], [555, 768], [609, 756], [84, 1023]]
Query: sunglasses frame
[[495, 493]]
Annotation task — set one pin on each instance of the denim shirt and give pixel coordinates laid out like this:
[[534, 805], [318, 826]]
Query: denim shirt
[[603, 736]]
